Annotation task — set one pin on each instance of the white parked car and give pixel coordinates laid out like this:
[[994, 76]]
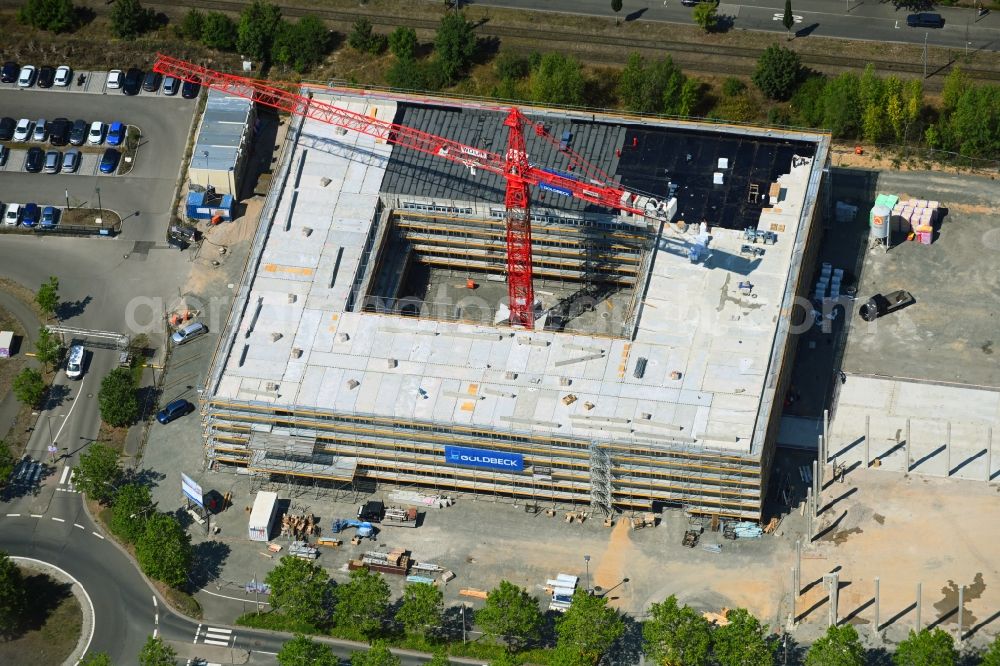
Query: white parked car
[[115, 78], [27, 77], [12, 217], [63, 75], [96, 135], [23, 130]]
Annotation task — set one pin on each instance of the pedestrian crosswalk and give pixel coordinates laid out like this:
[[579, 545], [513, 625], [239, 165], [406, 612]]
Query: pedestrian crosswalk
[[66, 479], [214, 636], [27, 473]]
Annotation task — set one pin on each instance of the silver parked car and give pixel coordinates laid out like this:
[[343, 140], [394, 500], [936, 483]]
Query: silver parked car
[[189, 332], [71, 161]]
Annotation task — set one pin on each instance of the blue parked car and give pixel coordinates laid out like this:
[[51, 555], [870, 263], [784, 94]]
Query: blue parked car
[[110, 160], [29, 217], [174, 410], [116, 134], [50, 217]]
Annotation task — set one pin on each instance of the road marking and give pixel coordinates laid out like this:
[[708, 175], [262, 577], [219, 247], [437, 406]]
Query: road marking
[[154, 631], [154, 600], [79, 525], [97, 535], [59, 520], [781, 17], [70, 412], [221, 643], [36, 515], [223, 596], [65, 473], [196, 632], [13, 515], [214, 636], [156, 619]]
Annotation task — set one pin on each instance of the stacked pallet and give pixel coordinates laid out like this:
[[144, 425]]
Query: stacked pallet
[[917, 216]]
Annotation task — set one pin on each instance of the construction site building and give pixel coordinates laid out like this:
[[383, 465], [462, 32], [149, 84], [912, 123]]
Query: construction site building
[[367, 344]]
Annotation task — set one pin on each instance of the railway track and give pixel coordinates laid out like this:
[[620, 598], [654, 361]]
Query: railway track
[[618, 47]]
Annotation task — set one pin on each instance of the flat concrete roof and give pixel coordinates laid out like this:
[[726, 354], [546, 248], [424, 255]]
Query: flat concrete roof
[[297, 345], [221, 131]]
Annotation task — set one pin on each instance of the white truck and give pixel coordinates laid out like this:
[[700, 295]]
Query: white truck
[[262, 515]]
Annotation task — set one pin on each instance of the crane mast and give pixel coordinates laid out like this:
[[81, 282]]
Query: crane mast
[[592, 185]]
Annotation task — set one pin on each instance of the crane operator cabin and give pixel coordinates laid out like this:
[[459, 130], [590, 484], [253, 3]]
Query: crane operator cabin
[[377, 338]]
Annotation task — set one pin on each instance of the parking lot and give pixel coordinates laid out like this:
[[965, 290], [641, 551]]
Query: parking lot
[[144, 195]]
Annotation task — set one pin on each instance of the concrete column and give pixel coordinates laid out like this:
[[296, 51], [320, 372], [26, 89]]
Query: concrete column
[[868, 438], [876, 605], [817, 487], [961, 607], [947, 451], [826, 433], [918, 607], [795, 594], [798, 564], [834, 597], [809, 513], [906, 467], [989, 453]]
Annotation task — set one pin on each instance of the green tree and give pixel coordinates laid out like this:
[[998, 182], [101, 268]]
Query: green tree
[[96, 659], [588, 629], [913, 104], [956, 83], [131, 510], [117, 398], [807, 102], [98, 473], [690, 97], [974, 125], [304, 651], [510, 65], [421, 607], [258, 24], [558, 80], [164, 550], [301, 45], [156, 653], [743, 642], [7, 463], [508, 659], [129, 19], [48, 349], [652, 88], [778, 71], [403, 42], [51, 15], [787, 19], [300, 590], [616, 6], [362, 603], [705, 15], [926, 648], [218, 31], [48, 296], [377, 655], [895, 111], [439, 658], [676, 635], [408, 75], [840, 646], [13, 597], [29, 387], [364, 38], [454, 45], [873, 123], [510, 614], [191, 25], [841, 105], [991, 657]]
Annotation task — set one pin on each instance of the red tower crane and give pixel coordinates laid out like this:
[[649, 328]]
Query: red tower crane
[[592, 184]]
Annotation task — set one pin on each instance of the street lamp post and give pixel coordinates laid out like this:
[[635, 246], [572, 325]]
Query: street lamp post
[[100, 208], [586, 558], [208, 178]]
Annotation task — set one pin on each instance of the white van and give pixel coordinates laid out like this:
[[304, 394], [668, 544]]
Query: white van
[[74, 362], [12, 216]]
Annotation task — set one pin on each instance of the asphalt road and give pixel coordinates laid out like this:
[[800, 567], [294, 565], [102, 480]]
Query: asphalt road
[[144, 196], [53, 527], [851, 19]]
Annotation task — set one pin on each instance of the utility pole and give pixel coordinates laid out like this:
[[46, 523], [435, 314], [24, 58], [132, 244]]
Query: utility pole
[[876, 605], [926, 34]]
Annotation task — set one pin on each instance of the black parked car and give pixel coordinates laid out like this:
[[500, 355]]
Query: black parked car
[[190, 89], [925, 20], [46, 75], [133, 81], [59, 131], [36, 158], [151, 82], [78, 134], [9, 72], [7, 126]]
